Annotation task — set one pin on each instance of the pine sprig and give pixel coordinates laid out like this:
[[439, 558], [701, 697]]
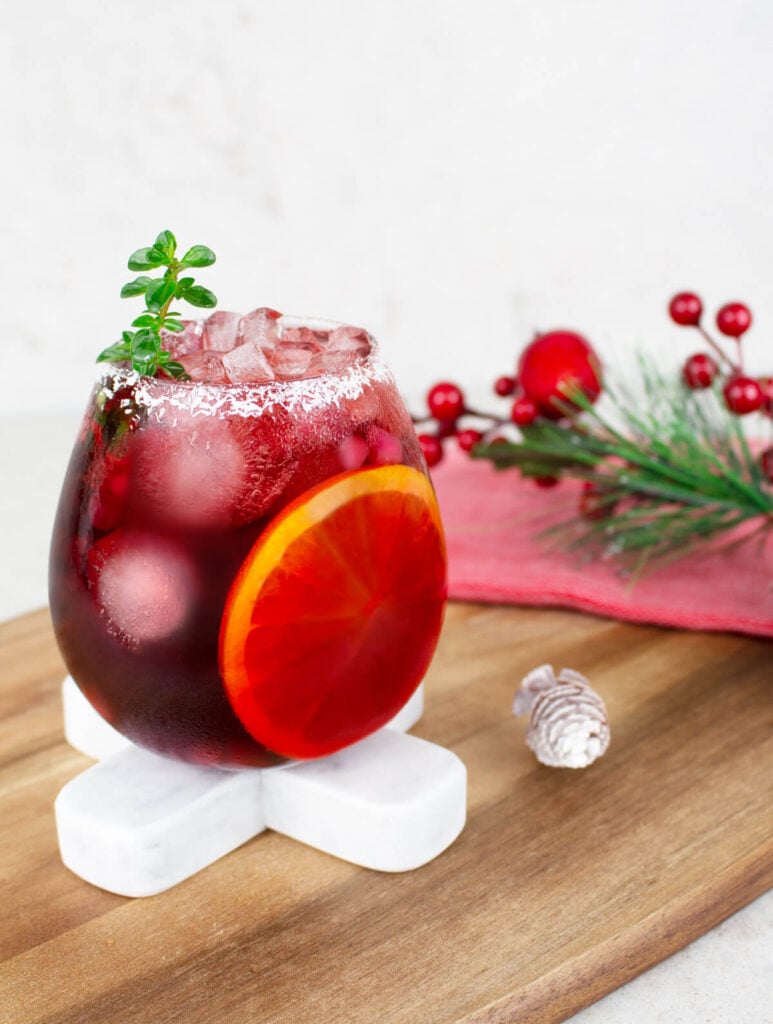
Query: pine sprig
[[143, 347], [666, 471]]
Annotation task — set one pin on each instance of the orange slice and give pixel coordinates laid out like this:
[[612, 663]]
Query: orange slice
[[334, 616]]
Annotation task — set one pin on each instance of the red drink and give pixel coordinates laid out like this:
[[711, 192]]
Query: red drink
[[172, 487]]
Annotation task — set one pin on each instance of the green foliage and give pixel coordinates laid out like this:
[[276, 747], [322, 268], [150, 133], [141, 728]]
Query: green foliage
[[668, 469], [143, 347]]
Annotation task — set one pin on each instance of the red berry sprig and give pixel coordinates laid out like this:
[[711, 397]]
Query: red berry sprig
[[699, 371], [553, 371], [734, 319], [642, 470], [445, 402], [686, 309], [742, 394], [431, 449]]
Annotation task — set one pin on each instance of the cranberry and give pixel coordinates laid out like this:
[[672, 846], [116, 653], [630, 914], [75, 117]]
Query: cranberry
[[524, 411], [699, 371], [431, 449], [685, 309], [734, 319], [554, 366], [445, 401], [505, 386], [546, 481], [107, 502], [766, 462], [385, 448], [743, 395], [467, 439]]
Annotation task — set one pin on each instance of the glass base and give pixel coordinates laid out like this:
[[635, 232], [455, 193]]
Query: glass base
[[137, 823]]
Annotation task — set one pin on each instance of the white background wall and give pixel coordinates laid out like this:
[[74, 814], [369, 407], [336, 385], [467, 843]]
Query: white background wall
[[450, 174]]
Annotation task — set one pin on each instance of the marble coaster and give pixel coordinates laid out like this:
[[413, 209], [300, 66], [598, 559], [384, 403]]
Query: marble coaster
[[137, 824]]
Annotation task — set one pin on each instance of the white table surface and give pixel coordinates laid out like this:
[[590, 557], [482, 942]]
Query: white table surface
[[725, 977]]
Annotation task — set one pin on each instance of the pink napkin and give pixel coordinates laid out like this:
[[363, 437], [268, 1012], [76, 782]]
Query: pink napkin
[[493, 521]]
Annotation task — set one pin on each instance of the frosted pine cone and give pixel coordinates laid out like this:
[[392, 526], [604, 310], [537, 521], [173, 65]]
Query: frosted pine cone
[[568, 727]]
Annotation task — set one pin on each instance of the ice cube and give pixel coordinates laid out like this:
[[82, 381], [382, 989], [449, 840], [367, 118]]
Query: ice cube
[[260, 327], [183, 342], [333, 362], [189, 471], [290, 359], [349, 339], [205, 366], [352, 452], [300, 336], [385, 448], [221, 331], [247, 363], [146, 586], [344, 347]]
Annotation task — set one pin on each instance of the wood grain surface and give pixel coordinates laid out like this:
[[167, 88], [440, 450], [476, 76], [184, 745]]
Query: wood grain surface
[[562, 886]]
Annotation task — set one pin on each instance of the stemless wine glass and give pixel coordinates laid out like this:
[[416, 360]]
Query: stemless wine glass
[[248, 565]]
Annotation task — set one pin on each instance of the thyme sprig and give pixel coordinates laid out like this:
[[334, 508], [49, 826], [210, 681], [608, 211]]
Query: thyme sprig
[[144, 347]]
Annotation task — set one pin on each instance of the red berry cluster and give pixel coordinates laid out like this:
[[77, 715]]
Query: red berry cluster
[[560, 364], [555, 367], [743, 394]]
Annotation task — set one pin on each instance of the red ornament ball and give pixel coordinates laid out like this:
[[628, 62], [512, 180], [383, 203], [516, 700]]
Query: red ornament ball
[[766, 462], [685, 309], [699, 371], [734, 319], [505, 386], [553, 366], [431, 449], [467, 439], [445, 401], [524, 411], [743, 395]]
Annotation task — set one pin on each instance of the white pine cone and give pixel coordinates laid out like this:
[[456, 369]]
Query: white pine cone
[[568, 727]]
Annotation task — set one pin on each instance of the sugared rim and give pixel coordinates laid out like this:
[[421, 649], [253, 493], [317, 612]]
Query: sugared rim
[[252, 399]]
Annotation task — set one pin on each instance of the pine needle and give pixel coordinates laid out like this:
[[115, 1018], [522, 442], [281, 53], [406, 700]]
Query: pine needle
[[669, 469]]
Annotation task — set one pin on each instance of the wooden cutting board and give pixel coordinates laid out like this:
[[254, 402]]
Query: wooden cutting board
[[563, 885]]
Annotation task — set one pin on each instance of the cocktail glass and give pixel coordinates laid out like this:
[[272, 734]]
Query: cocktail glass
[[248, 566]]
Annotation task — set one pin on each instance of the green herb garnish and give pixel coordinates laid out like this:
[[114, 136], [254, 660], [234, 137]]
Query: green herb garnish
[[143, 347]]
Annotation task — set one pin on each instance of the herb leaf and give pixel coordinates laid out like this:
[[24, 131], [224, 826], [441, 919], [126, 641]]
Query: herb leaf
[[166, 243], [199, 296], [146, 259], [136, 287], [159, 293], [114, 353], [198, 256], [144, 320]]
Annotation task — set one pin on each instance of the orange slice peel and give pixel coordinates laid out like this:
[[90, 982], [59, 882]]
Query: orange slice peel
[[333, 619]]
